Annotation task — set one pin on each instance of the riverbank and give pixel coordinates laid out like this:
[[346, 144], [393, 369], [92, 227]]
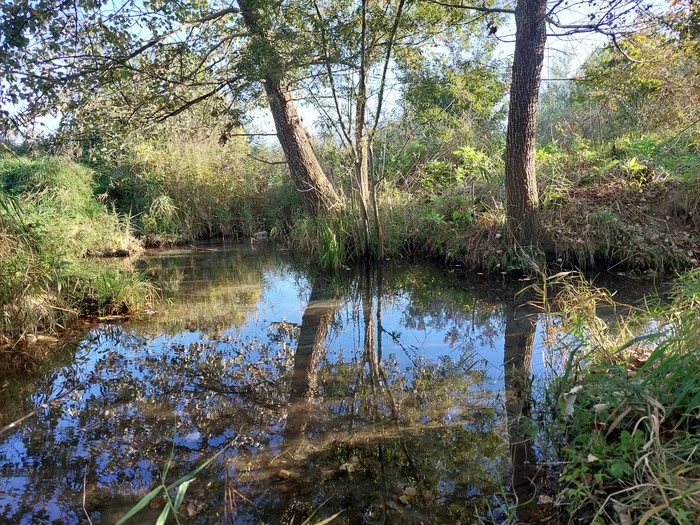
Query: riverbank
[[53, 227], [622, 212], [629, 431]]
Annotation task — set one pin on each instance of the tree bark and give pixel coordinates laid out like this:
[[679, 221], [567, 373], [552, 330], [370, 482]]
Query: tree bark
[[522, 199], [317, 192], [517, 363]]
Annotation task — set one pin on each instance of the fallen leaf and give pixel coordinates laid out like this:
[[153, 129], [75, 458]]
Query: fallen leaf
[[600, 407], [352, 465], [544, 499], [625, 518]]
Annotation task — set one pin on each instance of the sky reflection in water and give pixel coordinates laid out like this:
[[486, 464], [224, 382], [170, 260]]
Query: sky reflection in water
[[380, 393]]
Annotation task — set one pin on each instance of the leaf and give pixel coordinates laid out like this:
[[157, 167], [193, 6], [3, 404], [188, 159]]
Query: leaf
[[148, 497], [163, 515], [181, 491], [619, 470], [328, 520]]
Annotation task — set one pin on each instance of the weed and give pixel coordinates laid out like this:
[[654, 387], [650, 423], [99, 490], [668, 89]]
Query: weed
[[630, 412]]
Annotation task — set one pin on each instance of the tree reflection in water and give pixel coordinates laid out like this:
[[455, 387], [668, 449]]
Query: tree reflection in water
[[519, 340], [378, 397]]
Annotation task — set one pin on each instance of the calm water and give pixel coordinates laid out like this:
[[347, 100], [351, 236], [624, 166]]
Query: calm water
[[378, 393]]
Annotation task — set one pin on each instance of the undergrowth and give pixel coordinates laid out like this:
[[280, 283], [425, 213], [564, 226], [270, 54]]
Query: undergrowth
[[180, 191], [50, 221], [616, 205], [630, 412]]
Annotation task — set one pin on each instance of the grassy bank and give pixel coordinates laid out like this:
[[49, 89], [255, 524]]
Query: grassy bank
[[630, 414], [627, 204], [51, 221]]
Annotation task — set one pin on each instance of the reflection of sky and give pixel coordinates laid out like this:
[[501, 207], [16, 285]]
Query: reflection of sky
[[112, 359]]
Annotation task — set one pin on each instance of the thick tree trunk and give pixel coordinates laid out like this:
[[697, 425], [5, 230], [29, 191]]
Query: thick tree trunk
[[316, 190], [517, 362], [522, 200]]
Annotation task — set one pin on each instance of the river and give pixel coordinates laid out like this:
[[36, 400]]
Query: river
[[400, 394]]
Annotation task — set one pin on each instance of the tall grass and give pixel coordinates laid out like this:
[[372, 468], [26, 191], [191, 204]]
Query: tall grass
[[50, 220], [184, 190], [631, 413]]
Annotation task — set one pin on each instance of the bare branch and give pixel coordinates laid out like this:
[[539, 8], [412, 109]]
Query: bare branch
[[345, 132], [270, 162], [474, 7], [387, 59]]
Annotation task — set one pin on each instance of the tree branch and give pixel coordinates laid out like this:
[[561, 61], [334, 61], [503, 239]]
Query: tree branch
[[270, 162], [331, 80], [387, 59], [474, 7]]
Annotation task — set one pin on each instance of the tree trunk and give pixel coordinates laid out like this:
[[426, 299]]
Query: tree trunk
[[362, 177], [517, 363], [522, 200], [311, 182], [361, 139]]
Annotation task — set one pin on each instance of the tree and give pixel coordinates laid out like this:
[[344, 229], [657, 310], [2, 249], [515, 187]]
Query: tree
[[316, 190], [522, 199], [55, 55], [363, 45], [611, 18]]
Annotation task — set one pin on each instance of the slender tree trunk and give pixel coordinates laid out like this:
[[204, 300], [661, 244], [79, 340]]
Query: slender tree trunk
[[361, 139], [316, 190], [517, 361], [522, 199], [362, 177], [371, 356]]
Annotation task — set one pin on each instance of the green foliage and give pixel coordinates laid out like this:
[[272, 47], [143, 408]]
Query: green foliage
[[632, 440], [653, 93], [446, 89], [50, 219]]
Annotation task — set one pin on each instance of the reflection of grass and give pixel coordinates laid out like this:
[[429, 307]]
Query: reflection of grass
[[206, 291], [212, 310]]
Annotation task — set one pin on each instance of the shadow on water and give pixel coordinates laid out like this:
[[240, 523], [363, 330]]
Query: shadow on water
[[398, 394]]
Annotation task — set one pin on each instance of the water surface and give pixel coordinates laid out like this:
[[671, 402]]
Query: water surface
[[394, 395]]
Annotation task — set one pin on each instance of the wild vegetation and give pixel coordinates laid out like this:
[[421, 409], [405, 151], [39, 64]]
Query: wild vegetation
[[426, 143], [628, 403], [51, 221]]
